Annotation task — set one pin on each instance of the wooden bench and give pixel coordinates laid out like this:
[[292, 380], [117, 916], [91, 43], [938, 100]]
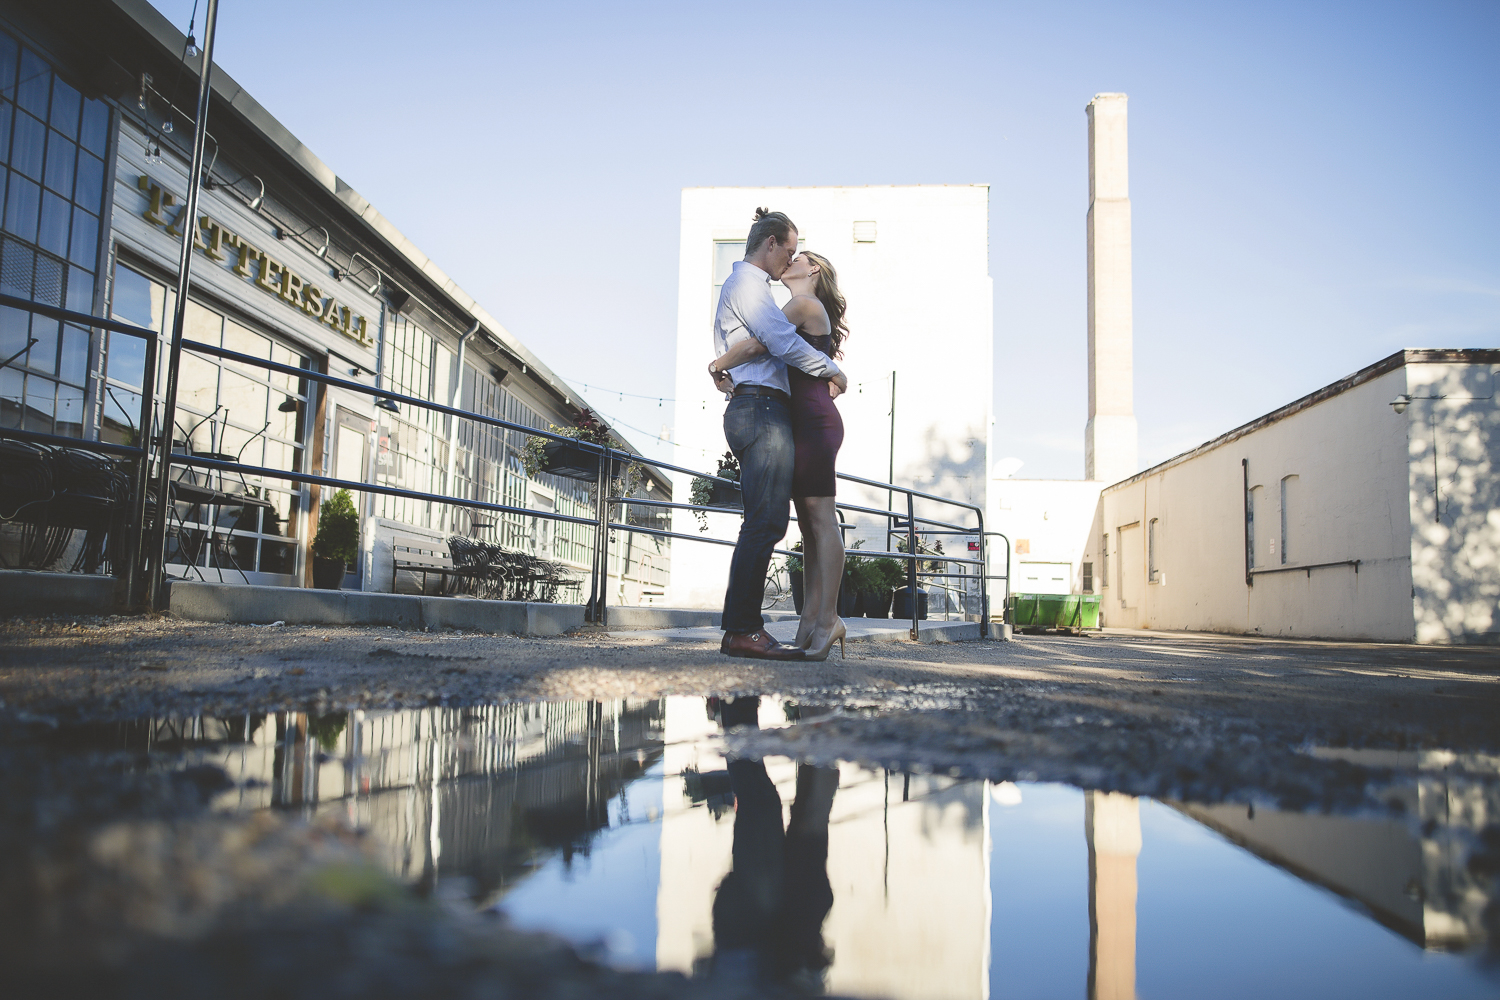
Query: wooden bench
[[422, 555]]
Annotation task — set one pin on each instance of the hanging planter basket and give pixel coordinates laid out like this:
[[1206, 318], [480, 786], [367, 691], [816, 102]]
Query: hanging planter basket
[[570, 460]]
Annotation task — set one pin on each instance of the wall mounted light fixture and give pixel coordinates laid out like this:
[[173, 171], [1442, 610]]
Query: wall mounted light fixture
[[259, 199]]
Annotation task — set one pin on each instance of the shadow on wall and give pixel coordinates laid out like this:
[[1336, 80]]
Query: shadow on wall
[[1455, 504]]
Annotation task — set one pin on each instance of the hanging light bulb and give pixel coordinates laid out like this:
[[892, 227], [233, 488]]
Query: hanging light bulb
[[192, 46], [166, 125]]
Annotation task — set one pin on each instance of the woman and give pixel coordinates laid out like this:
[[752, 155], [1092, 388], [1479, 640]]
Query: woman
[[817, 310]]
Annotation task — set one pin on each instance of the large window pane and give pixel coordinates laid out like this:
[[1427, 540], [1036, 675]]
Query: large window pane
[[41, 398], [53, 234], [43, 356], [127, 359], [69, 411], [80, 287], [11, 398], [65, 102], [35, 83], [245, 400], [122, 411], [5, 115], [84, 246], [89, 190], [15, 329], [202, 324], [137, 299], [94, 133], [10, 53], [23, 202], [197, 390], [62, 154], [28, 148], [73, 361]]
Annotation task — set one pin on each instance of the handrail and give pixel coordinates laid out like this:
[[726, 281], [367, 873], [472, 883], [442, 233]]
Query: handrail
[[78, 318], [70, 442], [605, 453]]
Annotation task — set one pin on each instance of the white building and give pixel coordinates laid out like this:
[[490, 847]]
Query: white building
[[914, 265], [1334, 516]]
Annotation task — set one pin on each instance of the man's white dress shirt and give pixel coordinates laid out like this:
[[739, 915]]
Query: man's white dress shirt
[[746, 309]]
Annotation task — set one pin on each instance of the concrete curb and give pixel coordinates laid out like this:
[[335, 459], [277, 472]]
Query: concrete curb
[[33, 592], [659, 618], [860, 630], [230, 602]]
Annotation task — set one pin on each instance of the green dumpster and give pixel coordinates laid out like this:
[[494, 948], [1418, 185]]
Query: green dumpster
[[1059, 611]]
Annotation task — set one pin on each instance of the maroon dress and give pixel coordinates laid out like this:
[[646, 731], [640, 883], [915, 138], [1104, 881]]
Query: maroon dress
[[817, 428]]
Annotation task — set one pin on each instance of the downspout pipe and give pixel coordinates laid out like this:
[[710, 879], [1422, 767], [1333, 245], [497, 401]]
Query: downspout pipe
[[454, 394]]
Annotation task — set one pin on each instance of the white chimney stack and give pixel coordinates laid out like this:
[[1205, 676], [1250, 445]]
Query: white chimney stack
[[1110, 439]]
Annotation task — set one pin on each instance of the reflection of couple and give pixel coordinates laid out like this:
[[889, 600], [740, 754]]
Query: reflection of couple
[[776, 367], [768, 912]]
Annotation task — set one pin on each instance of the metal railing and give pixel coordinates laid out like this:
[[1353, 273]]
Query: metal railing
[[146, 571]]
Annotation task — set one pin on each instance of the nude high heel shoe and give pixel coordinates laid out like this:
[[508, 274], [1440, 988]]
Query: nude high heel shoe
[[836, 633]]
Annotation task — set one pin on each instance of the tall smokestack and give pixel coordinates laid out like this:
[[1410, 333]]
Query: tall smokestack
[[1110, 439]]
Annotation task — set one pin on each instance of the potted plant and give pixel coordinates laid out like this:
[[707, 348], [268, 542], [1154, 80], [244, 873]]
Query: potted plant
[[565, 458], [337, 541], [886, 575], [712, 493]]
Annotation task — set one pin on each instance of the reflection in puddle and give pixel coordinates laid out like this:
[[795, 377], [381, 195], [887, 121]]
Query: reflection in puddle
[[623, 826]]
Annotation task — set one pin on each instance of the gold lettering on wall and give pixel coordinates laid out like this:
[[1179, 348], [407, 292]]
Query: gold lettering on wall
[[268, 274]]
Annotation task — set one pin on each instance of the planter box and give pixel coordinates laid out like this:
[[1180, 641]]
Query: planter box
[[901, 607], [328, 574], [875, 603], [570, 460], [797, 589], [724, 495]]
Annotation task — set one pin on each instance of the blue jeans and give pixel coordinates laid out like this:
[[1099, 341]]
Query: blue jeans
[[759, 432]]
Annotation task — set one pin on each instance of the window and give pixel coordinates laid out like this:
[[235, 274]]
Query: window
[[1250, 508], [1088, 578], [864, 232], [1104, 560], [52, 147], [1288, 503], [224, 410], [413, 443], [1152, 573]]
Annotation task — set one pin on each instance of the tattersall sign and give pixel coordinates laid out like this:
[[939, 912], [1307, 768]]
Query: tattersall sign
[[254, 264]]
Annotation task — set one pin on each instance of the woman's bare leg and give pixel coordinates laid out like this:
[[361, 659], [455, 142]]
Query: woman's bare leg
[[812, 581], [823, 558]]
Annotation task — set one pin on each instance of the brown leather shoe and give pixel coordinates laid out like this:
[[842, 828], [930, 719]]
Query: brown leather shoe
[[758, 646]]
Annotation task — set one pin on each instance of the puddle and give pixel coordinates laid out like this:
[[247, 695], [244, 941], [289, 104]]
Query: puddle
[[623, 827]]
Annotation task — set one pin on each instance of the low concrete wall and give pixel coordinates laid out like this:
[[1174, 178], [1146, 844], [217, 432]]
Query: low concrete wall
[[32, 592], [628, 617], [222, 602]]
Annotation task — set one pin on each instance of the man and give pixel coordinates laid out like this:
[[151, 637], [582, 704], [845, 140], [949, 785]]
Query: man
[[758, 424]]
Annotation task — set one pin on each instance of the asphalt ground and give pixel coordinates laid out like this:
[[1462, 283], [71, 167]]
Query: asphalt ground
[[104, 861]]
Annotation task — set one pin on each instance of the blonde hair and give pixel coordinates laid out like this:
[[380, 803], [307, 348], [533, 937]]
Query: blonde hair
[[827, 291]]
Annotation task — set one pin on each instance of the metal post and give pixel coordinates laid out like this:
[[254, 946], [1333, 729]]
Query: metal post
[[599, 582], [984, 583], [135, 542], [911, 563], [189, 227], [891, 475]]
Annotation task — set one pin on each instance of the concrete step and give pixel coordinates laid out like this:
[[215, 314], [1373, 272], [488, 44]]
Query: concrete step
[[230, 602], [33, 592], [860, 630]]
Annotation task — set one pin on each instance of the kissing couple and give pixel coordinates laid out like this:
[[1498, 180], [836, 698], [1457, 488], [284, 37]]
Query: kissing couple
[[776, 368]]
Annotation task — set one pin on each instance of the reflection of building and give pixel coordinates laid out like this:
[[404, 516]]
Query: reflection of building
[[292, 266], [908, 862], [1112, 827], [480, 793], [1410, 871], [914, 265]]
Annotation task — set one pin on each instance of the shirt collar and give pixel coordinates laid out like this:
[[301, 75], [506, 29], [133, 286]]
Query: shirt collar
[[759, 272]]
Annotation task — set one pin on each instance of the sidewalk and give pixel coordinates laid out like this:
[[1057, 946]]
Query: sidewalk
[[860, 630]]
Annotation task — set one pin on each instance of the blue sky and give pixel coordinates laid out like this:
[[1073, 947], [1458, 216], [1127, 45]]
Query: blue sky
[[1312, 183]]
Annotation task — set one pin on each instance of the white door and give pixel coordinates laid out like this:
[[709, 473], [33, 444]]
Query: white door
[[1132, 566]]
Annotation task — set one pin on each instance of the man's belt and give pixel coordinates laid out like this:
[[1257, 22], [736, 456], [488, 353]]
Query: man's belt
[[761, 390]]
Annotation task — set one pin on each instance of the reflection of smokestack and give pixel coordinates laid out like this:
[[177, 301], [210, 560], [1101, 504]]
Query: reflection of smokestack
[[1109, 441], [1112, 826]]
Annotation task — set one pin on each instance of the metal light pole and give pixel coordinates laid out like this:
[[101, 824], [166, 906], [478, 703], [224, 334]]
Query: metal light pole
[[189, 226]]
